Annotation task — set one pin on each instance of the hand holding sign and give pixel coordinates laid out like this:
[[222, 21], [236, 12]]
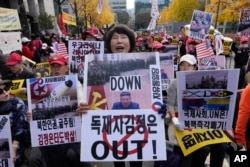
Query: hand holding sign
[[177, 124]]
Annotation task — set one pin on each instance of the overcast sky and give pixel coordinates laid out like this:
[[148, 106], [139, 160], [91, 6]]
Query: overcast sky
[[130, 4]]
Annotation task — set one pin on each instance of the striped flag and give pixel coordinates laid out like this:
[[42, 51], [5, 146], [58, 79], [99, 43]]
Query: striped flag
[[62, 49], [204, 49]]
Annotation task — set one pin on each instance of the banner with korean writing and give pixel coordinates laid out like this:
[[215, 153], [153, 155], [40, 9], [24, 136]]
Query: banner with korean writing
[[200, 24], [69, 19], [206, 99], [212, 63], [6, 154], [77, 51], [9, 20], [129, 125], [189, 141], [10, 41], [53, 102], [244, 23]]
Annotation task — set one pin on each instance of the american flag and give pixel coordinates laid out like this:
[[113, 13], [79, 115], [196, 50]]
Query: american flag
[[204, 49], [62, 49]]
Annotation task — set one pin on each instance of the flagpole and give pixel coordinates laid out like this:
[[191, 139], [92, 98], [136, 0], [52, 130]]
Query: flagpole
[[217, 14]]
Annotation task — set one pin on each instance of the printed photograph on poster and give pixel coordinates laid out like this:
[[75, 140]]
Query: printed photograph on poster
[[53, 97], [124, 93], [78, 49], [200, 24], [6, 153], [53, 102], [207, 98], [112, 74], [212, 63], [171, 50], [167, 69], [244, 23]]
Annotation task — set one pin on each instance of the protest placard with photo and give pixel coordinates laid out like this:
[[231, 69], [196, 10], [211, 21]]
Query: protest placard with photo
[[212, 63], [53, 101], [167, 69], [6, 156], [78, 49], [124, 92], [244, 23], [200, 24], [207, 98]]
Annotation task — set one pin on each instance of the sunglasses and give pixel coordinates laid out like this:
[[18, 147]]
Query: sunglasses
[[2, 90]]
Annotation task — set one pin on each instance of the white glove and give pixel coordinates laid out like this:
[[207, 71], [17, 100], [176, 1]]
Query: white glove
[[177, 124]]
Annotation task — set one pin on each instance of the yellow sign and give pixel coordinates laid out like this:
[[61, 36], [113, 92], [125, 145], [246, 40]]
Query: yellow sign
[[227, 43], [42, 70], [190, 141], [9, 20], [16, 87], [69, 19]]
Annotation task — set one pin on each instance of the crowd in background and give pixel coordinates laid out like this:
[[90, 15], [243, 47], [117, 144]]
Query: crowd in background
[[40, 47]]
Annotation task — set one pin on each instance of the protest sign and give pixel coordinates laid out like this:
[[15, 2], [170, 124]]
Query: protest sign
[[200, 24], [127, 89], [10, 41], [212, 63], [207, 98], [78, 49], [53, 101], [9, 19], [244, 23], [167, 69], [227, 44], [6, 154], [191, 140], [15, 89]]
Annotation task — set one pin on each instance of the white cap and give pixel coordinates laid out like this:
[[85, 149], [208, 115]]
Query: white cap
[[25, 39], [44, 46], [188, 58]]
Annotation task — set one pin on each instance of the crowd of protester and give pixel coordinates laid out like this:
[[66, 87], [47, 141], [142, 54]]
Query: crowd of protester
[[118, 39]]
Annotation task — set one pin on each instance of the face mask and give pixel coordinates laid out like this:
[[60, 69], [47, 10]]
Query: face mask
[[245, 45]]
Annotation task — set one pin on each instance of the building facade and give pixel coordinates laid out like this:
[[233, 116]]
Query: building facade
[[118, 5], [28, 11]]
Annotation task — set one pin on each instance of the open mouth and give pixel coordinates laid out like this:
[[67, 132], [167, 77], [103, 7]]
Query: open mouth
[[119, 49]]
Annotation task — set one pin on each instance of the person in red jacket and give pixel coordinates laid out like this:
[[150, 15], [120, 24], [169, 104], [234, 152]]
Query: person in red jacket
[[27, 52], [243, 117]]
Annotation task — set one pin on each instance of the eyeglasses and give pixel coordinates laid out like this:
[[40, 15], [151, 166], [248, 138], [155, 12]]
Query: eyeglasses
[[2, 90]]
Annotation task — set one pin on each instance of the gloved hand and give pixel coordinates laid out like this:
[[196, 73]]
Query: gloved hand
[[177, 124], [163, 110]]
